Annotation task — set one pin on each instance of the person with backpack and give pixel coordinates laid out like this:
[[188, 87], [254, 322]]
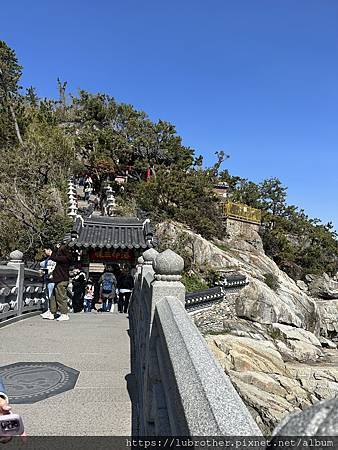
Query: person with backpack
[[107, 284]]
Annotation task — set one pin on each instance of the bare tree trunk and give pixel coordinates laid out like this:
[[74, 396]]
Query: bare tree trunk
[[16, 126], [62, 93], [8, 99]]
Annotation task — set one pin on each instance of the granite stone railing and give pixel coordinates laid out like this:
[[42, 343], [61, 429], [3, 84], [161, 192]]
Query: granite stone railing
[[181, 389], [21, 289]]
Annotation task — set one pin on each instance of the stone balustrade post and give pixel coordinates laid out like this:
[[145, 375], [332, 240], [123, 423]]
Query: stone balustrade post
[[139, 265], [138, 277], [168, 267], [16, 260], [149, 257], [147, 273], [139, 314]]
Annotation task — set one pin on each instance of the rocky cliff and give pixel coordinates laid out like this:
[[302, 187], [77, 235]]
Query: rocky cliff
[[267, 336], [324, 290], [287, 304]]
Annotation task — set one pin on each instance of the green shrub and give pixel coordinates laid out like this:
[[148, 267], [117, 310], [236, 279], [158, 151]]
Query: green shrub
[[214, 332], [223, 247], [193, 282], [272, 281], [274, 334]]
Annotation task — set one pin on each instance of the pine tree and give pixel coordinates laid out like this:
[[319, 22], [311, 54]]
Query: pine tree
[[10, 73]]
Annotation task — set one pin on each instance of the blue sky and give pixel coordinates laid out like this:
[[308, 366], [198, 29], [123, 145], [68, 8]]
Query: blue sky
[[256, 78]]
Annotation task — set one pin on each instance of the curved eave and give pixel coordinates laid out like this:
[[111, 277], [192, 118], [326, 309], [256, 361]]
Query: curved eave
[[110, 245]]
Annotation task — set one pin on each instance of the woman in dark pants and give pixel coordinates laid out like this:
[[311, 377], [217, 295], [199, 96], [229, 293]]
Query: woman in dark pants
[[79, 285], [125, 286]]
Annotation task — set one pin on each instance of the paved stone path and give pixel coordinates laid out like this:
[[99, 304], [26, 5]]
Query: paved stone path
[[95, 344]]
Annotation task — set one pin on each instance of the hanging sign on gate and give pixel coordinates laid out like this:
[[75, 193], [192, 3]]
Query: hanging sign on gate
[[104, 254]]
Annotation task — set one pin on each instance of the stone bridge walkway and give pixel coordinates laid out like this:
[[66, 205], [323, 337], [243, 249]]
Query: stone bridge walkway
[[96, 345]]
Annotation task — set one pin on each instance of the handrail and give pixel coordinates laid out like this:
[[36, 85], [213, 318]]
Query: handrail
[[241, 211], [193, 381], [181, 388], [21, 289]]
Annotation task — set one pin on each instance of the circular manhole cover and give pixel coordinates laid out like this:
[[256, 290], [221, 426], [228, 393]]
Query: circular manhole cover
[[30, 382]]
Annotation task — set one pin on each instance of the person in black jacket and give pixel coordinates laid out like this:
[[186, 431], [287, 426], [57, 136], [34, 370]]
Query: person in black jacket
[[79, 285], [60, 277], [125, 286]]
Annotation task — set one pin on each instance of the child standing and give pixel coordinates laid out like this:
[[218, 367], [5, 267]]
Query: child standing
[[89, 296]]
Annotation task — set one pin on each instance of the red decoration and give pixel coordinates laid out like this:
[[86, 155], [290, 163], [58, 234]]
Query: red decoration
[[148, 174]]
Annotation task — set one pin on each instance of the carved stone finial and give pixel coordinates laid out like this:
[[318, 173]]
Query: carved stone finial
[[140, 260], [16, 256], [168, 266], [149, 256]]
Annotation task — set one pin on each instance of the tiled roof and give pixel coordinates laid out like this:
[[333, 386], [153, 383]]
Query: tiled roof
[[112, 232]]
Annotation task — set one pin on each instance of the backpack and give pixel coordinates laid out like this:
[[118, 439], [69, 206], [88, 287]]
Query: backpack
[[107, 284]]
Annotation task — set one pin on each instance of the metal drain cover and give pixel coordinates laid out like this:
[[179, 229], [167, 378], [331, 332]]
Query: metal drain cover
[[30, 382]]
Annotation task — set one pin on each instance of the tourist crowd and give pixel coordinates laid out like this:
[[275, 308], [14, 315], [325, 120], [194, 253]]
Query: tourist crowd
[[68, 288]]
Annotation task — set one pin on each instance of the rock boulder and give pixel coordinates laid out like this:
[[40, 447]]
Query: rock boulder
[[271, 387], [258, 301], [318, 420], [322, 286], [328, 310]]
